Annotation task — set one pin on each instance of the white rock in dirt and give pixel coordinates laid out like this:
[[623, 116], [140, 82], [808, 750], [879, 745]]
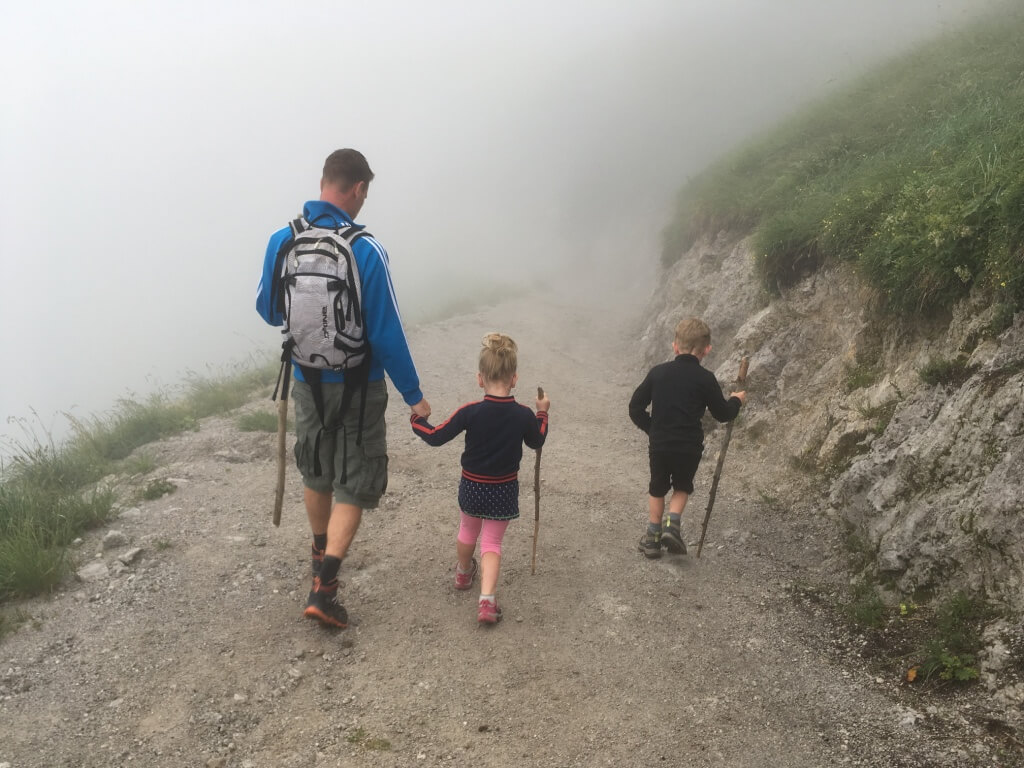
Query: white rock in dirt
[[132, 513], [909, 718], [130, 556], [92, 572], [114, 539]]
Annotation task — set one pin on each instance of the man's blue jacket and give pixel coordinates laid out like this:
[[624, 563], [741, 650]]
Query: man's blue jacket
[[389, 349]]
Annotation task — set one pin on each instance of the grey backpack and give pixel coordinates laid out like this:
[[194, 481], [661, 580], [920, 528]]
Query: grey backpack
[[323, 298]]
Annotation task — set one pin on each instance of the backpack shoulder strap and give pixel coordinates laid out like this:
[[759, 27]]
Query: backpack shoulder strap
[[352, 233]]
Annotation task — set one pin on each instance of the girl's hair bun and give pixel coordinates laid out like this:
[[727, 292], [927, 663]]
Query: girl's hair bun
[[498, 357]]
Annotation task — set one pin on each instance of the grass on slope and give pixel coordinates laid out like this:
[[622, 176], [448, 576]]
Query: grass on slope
[[44, 497], [915, 173]]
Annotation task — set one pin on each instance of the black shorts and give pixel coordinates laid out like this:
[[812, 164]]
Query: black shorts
[[675, 470]]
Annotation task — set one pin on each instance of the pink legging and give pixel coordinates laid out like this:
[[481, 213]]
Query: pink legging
[[490, 532]]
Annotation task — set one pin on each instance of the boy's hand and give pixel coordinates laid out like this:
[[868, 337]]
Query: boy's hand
[[741, 396], [543, 403]]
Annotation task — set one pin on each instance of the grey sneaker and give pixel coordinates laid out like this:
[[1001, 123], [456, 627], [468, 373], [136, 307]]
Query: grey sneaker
[[650, 545], [672, 538]]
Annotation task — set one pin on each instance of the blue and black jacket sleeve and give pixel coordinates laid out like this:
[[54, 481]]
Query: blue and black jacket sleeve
[[442, 433], [536, 429]]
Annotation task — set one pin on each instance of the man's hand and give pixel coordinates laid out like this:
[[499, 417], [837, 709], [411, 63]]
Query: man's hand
[[741, 396], [422, 409]]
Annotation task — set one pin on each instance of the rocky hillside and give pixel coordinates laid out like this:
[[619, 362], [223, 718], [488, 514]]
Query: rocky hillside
[[909, 435]]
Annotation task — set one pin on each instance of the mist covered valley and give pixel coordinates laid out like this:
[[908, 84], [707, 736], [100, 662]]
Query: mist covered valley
[[148, 152]]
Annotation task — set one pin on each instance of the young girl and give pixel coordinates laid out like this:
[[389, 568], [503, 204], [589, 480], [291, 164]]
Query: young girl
[[496, 428]]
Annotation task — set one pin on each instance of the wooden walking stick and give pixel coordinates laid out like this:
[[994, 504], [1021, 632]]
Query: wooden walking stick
[[721, 461], [284, 378], [536, 500], [282, 430]]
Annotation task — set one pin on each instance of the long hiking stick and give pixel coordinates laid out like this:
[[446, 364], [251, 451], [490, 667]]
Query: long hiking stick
[[284, 378], [536, 501], [721, 461], [282, 430]]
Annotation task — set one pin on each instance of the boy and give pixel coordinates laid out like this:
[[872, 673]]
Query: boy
[[678, 392]]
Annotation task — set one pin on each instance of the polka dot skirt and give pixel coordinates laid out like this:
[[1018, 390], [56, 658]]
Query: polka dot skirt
[[491, 501]]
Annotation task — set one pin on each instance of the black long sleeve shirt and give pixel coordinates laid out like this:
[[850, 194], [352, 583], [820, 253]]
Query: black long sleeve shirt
[[678, 392], [496, 428]]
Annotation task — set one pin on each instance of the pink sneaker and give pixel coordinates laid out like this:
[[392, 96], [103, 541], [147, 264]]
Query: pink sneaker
[[488, 612], [465, 580]]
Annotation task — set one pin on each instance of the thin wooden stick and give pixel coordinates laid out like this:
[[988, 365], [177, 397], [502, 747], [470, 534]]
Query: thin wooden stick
[[721, 462], [282, 428], [536, 501], [282, 431]]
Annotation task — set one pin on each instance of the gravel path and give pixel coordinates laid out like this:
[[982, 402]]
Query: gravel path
[[195, 653]]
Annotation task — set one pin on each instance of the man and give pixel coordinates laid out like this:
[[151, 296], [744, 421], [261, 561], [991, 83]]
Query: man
[[344, 453]]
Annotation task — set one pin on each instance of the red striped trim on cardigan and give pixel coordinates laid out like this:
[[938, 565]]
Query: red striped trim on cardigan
[[489, 479]]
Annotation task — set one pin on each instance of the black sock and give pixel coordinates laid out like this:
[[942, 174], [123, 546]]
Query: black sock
[[329, 573], [319, 544]]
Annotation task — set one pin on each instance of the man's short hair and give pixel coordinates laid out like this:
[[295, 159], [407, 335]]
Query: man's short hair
[[693, 334], [345, 167]]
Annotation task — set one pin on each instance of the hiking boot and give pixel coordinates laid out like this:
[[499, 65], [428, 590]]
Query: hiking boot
[[488, 612], [650, 545], [317, 561], [465, 580], [672, 538], [325, 608]]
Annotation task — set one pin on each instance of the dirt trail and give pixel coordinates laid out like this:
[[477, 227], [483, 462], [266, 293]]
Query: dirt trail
[[196, 653]]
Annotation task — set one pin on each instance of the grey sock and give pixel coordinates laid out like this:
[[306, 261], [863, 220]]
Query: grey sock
[[654, 529]]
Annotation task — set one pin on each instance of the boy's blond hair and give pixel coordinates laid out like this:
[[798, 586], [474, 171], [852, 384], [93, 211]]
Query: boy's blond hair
[[693, 335], [498, 358]]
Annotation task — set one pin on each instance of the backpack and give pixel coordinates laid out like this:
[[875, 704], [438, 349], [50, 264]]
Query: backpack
[[319, 292], [321, 297]]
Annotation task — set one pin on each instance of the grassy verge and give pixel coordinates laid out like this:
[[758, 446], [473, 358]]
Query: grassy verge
[[45, 494], [915, 174]]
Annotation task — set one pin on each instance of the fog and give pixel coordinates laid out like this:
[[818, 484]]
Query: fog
[[149, 149]]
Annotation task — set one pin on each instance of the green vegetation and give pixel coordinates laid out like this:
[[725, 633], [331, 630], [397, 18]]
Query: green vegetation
[[258, 421], [881, 415], [362, 738], [935, 645], [860, 376], [11, 620], [140, 463], [950, 654], [914, 173], [48, 494], [940, 371], [865, 608], [156, 488]]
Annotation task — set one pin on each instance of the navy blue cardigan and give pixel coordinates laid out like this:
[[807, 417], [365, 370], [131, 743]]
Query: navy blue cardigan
[[496, 428]]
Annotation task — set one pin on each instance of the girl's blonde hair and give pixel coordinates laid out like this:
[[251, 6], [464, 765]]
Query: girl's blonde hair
[[498, 358]]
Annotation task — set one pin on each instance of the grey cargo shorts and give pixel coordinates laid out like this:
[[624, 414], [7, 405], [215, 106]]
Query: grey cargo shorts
[[367, 477]]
